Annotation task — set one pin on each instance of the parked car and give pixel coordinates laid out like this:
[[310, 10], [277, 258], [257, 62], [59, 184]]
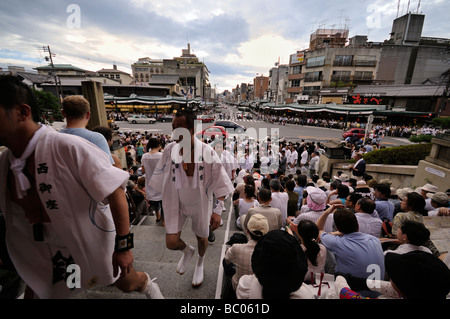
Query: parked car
[[141, 119], [238, 128], [217, 131], [206, 118], [360, 133], [165, 118]]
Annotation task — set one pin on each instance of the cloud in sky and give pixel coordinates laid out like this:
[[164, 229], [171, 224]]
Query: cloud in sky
[[236, 39]]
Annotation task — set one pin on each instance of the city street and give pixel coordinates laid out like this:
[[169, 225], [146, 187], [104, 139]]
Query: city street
[[291, 132]]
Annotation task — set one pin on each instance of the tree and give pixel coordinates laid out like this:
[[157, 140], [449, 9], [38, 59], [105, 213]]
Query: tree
[[49, 107]]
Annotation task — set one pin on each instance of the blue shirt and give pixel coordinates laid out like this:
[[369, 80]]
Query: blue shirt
[[356, 254], [385, 209], [299, 191], [93, 137]]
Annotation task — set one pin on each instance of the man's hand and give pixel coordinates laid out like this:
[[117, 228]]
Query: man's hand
[[122, 261], [215, 221]]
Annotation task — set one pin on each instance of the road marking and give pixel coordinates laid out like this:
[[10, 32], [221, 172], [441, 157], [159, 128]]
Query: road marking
[[222, 255]]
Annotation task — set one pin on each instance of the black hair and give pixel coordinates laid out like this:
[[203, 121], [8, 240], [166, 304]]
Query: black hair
[[384, 189], [249, 190], [302, 180], [343, 191], [190, 116], [367, 205], [14, 92], [345, 221], [416, 202], [279, 264], [290, 185], [416, 232], [153, 143], [309, 232], [105, 131], [264, 194]]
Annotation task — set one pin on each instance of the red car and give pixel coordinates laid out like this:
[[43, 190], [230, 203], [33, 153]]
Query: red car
[[206, 118], [360, 133], [217, 131]]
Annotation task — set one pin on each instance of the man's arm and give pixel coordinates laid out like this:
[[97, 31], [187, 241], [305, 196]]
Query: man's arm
[[119, 210], [323, 218]]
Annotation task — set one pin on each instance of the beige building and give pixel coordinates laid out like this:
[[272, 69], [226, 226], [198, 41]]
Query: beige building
[[193, 74], [115, 74], [332, 66]]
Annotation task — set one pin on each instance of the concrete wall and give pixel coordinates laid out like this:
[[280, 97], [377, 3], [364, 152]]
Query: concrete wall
[[400, 175]]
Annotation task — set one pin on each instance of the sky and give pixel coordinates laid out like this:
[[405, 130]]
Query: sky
[[236, 39]]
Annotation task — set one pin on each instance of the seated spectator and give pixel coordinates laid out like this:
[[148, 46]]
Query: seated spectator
[[241, 254], [368, 220], [315, 206], [411, 236], [383, 205], [342, 192], [279, 266], [272, 214], [413, 206], [355, 253], [410, 275], [292, 198], [439, 201], [351, 201], [245, 203], [363, 189], [301, 184], [279, 198], [316, 253]]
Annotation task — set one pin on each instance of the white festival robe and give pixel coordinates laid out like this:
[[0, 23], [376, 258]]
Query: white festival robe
[[209, 176], [73, 177]]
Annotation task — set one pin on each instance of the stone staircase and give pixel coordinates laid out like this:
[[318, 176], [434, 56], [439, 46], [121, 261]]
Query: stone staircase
[[152, 256]]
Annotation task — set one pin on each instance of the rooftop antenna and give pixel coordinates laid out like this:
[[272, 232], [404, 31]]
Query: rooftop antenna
[[398, 7], [418, 6]]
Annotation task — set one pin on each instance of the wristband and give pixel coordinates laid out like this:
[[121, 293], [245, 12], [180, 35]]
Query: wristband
[[218, 209], [124, 243]]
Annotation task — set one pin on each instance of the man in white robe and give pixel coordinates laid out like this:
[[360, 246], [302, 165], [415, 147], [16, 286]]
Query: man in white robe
[[64, 203], [188, 175]]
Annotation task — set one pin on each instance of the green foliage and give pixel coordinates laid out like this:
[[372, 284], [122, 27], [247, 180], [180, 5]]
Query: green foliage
[[443, 122], [49, 107], [400, 155], [421, 138]]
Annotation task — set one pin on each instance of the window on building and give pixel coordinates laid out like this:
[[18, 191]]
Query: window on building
[[315, 61], [343, 76], [295, 83], [363, 75], [117, 76], [297, 69], [313, 76], [343, 60], [311, 90], [366, 60]]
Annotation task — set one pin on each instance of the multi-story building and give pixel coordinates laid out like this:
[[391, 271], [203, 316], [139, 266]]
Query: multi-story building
[[193, 74], [409, 58], [278, 83], [123, 77], [330, 63], [143, 69], [260, 85]]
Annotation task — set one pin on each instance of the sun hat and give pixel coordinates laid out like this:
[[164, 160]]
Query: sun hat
[[316, 199], [401, 192], [429, 188]]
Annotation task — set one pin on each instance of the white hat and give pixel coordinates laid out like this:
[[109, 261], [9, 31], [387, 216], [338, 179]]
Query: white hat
[[429, 188], [317, 195], [258, 223], [401, 192]]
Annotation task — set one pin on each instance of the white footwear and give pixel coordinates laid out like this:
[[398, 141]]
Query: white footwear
[[197, 280], [188, 252], [152, 290]]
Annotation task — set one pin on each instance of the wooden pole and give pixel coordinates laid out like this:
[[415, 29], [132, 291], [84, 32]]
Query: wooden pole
[[93, 92]]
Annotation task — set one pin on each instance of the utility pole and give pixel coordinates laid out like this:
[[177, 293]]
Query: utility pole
[[57, 84]]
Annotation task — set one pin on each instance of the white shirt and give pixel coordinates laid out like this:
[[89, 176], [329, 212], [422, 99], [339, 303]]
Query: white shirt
[[280, 201], [369, 224], [304, 157]]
